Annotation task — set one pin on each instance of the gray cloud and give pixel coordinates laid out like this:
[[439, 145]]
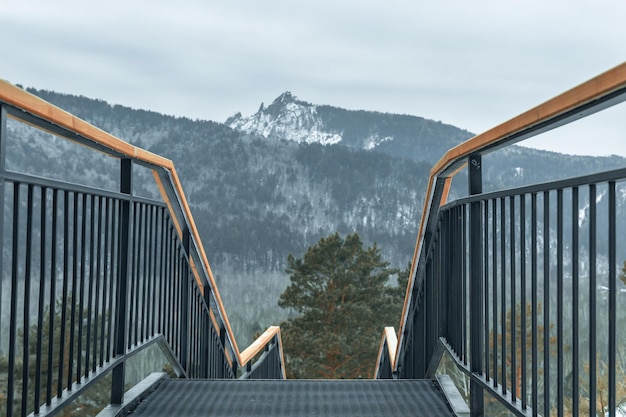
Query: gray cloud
[[472, 64]]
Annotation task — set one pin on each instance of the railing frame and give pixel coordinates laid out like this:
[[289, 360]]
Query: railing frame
[[592, 96], [476, 282], [385, 363], [126, 187], [192, 355]]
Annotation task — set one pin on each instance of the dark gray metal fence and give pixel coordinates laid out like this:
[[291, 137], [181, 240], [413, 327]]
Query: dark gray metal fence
[[547, 330], [269, 364], [93, 277], [520, 287]]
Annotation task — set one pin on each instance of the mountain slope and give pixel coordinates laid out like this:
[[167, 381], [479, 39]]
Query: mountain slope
[[274, 183], [400, 136], [254, 200]]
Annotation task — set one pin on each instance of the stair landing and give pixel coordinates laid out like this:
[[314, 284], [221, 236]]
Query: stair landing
[[292, 398]]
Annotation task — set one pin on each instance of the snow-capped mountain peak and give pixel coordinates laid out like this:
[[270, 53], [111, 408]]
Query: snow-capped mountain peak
[[289, 118], [286, 118]]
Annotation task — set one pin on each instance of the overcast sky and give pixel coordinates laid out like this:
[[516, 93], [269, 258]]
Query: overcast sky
[[473, 64]]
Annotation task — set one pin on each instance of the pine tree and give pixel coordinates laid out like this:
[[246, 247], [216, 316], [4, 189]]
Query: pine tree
[[343, 297]]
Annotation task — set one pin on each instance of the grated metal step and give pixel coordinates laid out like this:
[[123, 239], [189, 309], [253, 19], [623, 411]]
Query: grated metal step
[[292, 398]]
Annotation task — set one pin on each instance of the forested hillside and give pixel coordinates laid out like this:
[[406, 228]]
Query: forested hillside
[[276, 182]]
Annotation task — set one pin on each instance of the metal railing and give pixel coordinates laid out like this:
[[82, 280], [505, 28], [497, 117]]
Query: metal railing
[[91, 278], [385, 363], [520, 287], [268, 348]]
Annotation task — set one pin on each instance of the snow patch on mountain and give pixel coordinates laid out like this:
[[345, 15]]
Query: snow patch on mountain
[[289, 118], [375, 140], [295, 120]]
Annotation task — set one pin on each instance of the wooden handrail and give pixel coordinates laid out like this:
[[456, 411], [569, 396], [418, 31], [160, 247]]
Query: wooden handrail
[[600, 92], [259, 344], [40, 108], [389, 339]]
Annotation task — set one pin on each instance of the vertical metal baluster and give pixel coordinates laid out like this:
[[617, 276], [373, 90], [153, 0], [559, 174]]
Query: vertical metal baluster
[[206, 343], [53, 283], [81, 309], [90, 281], [575, 303], [612, 359], [141, 281], [27, 285], [220, 367], [450, 278], [107, 284], [3, 181], [592, 300], [185, 284], [98, 279], [190, 323], [197, 331], [75, 273], [486, 286], [66, 267], [162, 271], [442, 315], [202, 358], [138, 230], [171, 283], [503, 291], [513, 325], [167, 288], [174, 295], [154, 261], [3, 199], [177, 298], [431, 313], [149, 324], [14, 297], [494, 309], [113, 267], [449, 227], [118, 373], [42, 293], [476, 280], [132, 247], [559, 300], [145, 277], [192, 335], [144, 274], [157, 272], [463, 277], [533, 302], [442, 248], [546, 302], [523, 324], [418, 356]]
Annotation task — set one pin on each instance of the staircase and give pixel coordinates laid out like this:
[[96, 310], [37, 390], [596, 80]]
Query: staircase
[[99, 277], [293, 398]]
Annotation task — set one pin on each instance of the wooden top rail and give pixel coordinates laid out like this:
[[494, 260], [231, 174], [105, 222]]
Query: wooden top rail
[[390, 339], [40, 108], [605, 90], [259, 344]]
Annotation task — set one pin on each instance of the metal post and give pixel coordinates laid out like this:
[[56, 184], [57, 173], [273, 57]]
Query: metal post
[[476, 284], [204, 342], [222, 358], [3, 147], [612, 298], [117, 385], [184, 305]]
